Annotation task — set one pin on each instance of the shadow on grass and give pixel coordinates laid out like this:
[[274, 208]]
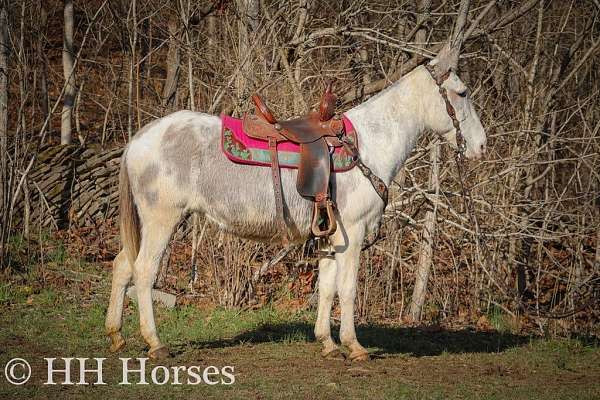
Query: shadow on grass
[[417, 342]]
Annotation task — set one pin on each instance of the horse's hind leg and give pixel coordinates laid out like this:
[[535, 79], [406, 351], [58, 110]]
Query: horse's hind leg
[[122, 272], [156, 233]]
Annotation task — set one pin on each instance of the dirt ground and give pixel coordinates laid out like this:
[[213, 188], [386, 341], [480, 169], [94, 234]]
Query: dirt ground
[[273, 355]]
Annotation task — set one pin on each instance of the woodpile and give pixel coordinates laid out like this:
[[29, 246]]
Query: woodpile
[[71, 185]]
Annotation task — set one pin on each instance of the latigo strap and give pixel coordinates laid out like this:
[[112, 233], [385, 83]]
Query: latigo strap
[[282, 228]]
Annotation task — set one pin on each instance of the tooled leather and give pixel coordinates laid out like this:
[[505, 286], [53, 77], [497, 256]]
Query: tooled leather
[[314, 170], [262, 110], [315, 133]]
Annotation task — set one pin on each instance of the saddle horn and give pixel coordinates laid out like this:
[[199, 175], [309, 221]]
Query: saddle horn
[[262, 110], [328, 100]]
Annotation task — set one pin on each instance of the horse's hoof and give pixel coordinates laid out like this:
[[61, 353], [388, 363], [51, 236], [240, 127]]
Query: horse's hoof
[[117, 342], [360, 355], [333, 354], [159, 353]]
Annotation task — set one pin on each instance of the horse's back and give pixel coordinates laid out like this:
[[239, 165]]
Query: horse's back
[[181, 131], [160, 156]]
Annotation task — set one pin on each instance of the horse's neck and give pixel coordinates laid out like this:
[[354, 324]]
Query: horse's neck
[[389, 124]]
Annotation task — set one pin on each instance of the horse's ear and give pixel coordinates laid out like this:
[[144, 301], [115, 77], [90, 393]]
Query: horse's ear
[[446, 60]]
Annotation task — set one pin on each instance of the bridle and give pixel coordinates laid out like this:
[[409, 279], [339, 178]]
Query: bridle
[[461, 147], [377, 183], [439, 81]]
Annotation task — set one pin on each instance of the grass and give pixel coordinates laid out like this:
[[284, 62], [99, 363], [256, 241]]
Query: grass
[[275, 357]]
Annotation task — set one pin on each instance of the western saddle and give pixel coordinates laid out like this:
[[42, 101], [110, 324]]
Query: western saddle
[[316, 133]]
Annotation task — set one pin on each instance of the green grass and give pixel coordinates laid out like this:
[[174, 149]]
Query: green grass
[[9, 294], [275, 356]]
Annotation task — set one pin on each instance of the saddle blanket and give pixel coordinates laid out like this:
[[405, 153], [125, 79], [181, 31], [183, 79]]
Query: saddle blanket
[[242, 149]]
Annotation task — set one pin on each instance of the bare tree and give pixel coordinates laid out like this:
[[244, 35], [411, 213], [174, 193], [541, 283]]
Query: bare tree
[[186, 16], [69, 74], [427, 240], [4, 188], [169, 93], [133, 39], [247, 26], [42, 60], [448, 58], [426, 250]]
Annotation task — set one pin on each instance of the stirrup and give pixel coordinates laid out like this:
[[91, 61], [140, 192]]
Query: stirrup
[[330, 225]]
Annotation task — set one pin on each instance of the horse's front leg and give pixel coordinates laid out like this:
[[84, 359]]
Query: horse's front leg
[[327, 289], [347, 276]]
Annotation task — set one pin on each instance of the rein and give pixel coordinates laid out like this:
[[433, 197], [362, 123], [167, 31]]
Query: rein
[[377, 183]]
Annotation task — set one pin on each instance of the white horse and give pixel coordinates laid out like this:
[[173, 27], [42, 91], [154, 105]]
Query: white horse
[[174, 166]]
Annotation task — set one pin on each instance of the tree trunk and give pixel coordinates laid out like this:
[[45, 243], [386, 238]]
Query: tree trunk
[[426, 252], [247, 25], [173, 66], [188, 38], [299, 103], [514, 252], [67, 56], [427, 241], [23, 75], [4, 190], [43, 62], [458, 34], [132, 62], [211, 22]]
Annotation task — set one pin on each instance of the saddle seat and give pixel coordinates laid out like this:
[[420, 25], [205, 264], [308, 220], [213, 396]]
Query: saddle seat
[[316, 133]]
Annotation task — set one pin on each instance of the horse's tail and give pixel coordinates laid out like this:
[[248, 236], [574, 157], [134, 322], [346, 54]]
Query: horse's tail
[[129, 218]]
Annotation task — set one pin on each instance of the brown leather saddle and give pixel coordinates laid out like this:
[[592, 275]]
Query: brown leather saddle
[[317, 133]]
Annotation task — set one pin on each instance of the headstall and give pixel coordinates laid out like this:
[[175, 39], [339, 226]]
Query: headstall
[[439, 80]]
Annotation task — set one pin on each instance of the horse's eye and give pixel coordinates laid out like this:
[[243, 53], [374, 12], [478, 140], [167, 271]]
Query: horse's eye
[[463, 93]]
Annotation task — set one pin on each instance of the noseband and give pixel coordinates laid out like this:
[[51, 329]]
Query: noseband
[[439, 80]]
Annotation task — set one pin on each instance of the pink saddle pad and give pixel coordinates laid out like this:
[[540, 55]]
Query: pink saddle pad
[[242, 149]]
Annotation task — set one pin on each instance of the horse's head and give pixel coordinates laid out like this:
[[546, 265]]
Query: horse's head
[[450, 107]]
